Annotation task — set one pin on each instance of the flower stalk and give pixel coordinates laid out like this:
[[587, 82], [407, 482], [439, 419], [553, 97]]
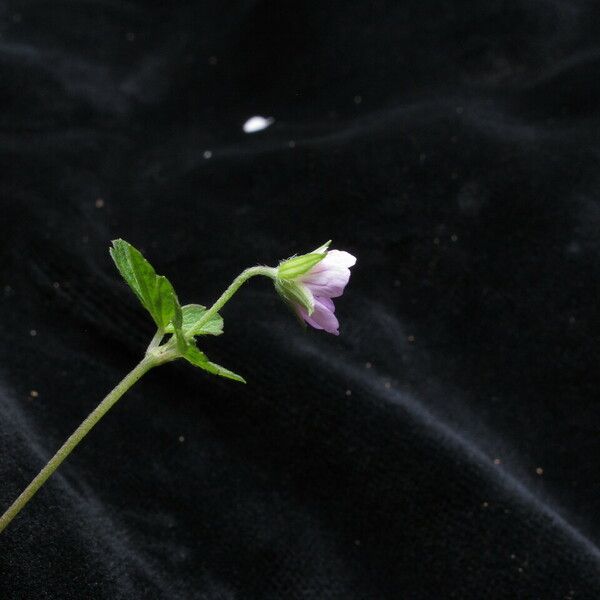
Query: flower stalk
[[234, 287]]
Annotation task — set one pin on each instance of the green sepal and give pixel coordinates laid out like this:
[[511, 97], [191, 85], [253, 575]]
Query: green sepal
[[191, 315], [322, 248], [299, 265], [199, 359], [295, 294], [155, 292]]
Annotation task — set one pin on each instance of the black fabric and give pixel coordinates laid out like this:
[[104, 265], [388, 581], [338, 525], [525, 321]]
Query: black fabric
[[446, 444]]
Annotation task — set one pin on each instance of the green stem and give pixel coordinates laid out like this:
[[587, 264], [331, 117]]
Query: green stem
[[149, 361], [233, 288], [156, 340], [155, 355]]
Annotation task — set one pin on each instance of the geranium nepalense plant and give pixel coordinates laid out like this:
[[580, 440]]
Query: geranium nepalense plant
[[306, 283]]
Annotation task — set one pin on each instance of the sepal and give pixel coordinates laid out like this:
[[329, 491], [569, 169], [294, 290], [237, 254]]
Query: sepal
[[299, 265], [295, 293]]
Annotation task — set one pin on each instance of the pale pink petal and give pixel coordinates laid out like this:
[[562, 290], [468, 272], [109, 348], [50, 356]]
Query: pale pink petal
[[327, 303], [341, 258], [335, 258], [329, 277], [329, 283], [322, 317]]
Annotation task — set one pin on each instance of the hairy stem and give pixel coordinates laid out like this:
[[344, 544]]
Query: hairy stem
[[156, 340], [149, 361], [155, 355], [233, 288]]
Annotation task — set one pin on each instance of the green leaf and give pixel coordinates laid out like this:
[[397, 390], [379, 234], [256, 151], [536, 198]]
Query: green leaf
[[199, 359], [155, 292], [182, 342], [192, 313]]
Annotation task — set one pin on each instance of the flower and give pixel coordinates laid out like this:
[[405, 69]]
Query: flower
[[309, 282]]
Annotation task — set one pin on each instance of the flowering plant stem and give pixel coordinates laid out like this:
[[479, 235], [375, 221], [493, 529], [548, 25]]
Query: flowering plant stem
[[155, 355], [143, 367], [307, 283], [234, 287]]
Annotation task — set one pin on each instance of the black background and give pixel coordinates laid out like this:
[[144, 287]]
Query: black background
[[446, 444]]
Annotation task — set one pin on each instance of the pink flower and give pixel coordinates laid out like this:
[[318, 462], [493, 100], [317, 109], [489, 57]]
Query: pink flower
[[326, 280]]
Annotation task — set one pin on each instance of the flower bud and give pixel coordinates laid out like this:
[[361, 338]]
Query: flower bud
[[308, 283]]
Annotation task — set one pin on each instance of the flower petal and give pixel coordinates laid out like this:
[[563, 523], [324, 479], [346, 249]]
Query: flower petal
[[329, 277], [328, 283], [327, 303], [322, 317], [336, 258]]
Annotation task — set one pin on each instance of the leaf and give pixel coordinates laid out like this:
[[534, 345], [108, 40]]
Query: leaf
[[155, 292], [192, 313], [176, 324], [199, 359]]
